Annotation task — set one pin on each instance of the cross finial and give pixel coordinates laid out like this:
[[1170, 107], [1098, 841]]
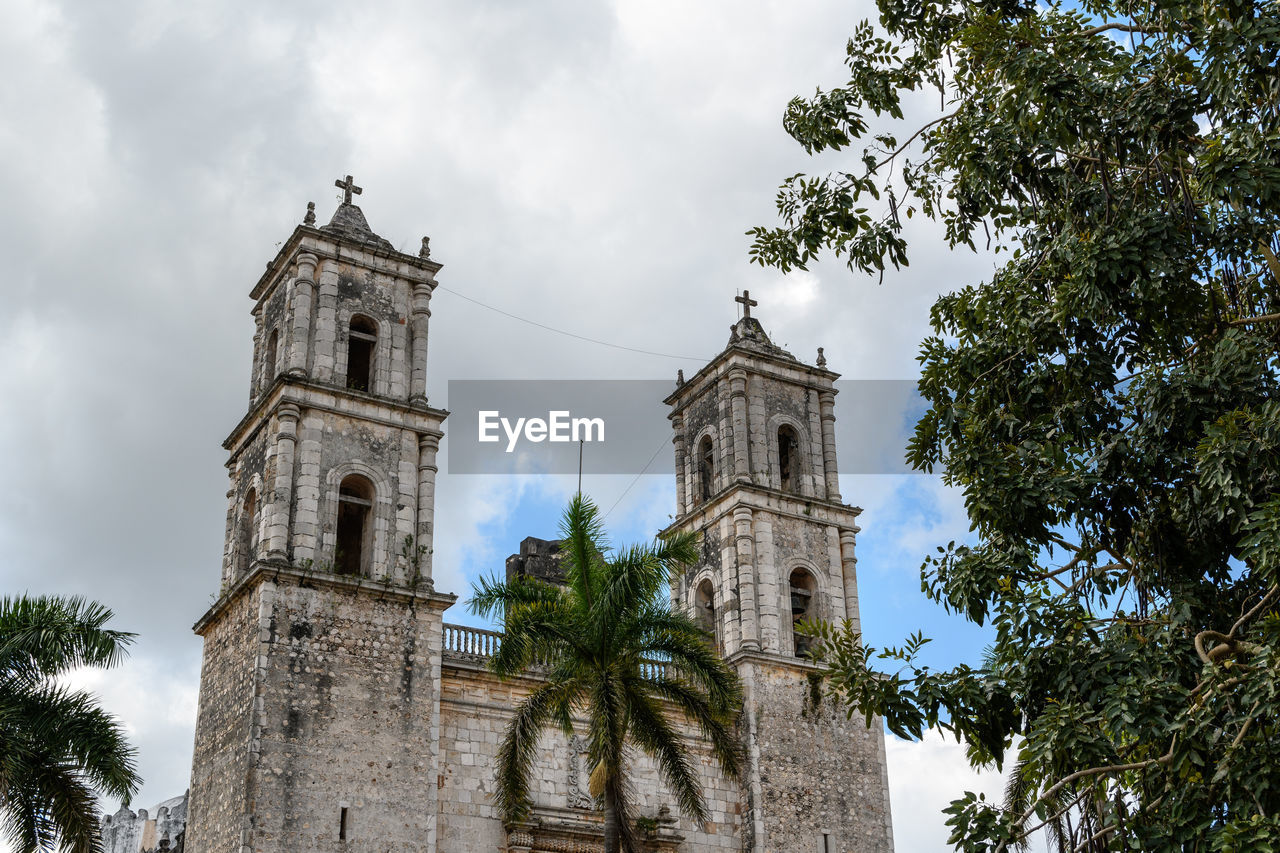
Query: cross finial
[[348, 187], [747, 303]]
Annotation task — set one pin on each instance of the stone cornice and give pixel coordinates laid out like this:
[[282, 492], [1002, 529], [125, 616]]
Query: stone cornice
[[308, 393], [753, 362], [735, 495], [773, 659], [280, 573], [326, 244]]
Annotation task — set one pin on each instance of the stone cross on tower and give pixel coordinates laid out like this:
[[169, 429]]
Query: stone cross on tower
[[348, 187], [747, 303]]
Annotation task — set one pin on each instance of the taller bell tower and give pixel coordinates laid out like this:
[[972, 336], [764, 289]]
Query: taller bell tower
[[756, 478], [318, 714]]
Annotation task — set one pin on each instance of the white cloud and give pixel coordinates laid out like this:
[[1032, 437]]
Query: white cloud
[[924, 777]]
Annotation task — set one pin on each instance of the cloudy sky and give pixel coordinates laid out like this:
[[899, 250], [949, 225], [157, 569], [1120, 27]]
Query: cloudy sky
[[586, 165]]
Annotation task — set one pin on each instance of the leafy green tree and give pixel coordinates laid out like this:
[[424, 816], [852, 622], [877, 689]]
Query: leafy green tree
[[607, 646], [1106, 400], [57, 747]]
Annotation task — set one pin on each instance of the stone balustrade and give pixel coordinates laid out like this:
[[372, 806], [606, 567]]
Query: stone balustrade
[[462, 642]]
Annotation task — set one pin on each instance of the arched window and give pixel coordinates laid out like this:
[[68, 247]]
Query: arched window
[[803, 606], [269, 357], [247, 534], [355, 530], [706, 467], [788, 459], [362, 342], [704, 603]]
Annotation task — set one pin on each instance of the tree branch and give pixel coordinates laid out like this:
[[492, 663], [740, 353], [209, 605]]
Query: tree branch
[[1265, 318], [1124, 28], [910, 140], [1092, 771], [1257, 607]]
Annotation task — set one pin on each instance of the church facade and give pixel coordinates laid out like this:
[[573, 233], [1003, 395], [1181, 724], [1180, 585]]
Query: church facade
[[339, 711]]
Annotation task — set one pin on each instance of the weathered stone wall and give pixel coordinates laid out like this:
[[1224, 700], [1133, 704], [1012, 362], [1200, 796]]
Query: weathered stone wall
[[773, 403], [270, 317], [819, 771], [475, 708], [357, 283], [248, 471], [331, 446], [348, 721], [537, 558], [220, 763], [161, 828]]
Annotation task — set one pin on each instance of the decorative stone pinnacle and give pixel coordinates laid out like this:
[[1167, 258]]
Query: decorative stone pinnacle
[[679, 378], [822, 359], [747, 303], [310, 218], [425, 251], [348, 187]]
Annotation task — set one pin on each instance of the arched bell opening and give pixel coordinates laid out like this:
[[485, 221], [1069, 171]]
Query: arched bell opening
[[804, 595], [355, 526]]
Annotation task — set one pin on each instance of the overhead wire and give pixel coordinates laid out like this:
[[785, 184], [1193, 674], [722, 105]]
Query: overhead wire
[[637, 477], [570, 334]]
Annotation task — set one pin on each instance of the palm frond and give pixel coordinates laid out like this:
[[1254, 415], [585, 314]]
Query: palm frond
[[57, 747], [493, 596], [677, 638], [650, 729], [716, 725], [583, 546], [520, 745], [46, 636], [58, 809], [537, 633], [632, 580], [67, 726]]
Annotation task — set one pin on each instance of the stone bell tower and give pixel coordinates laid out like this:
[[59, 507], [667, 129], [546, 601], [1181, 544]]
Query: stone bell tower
[[756, 477], [318, 713]]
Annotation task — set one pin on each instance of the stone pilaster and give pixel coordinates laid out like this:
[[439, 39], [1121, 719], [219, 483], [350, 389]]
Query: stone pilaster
[[827, 402], [257, 376], [812, 484], [682, 500], [418, 349], [326, 336], [406, 506], [738, 399], [428, 445], [758, 429], [768, 593], [849, 565], [228, 548], [837, 609], [746, 561], [282, 489], [304, 287], [306, 522]]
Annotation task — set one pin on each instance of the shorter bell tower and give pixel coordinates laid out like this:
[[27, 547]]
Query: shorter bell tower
[[318, 719], [756, 478]]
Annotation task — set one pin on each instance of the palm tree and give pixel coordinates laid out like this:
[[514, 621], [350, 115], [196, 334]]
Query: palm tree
[[57, 747], [594, 643]]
